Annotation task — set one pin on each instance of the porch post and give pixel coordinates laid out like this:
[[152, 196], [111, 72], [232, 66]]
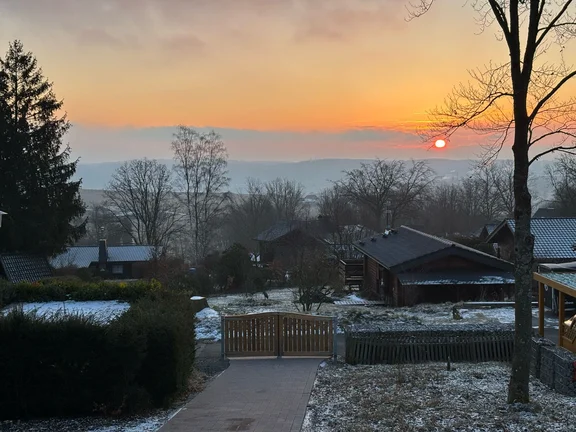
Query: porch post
[[561, 318], [541, 309]]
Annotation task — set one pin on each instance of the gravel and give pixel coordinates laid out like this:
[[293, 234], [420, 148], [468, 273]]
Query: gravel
[[427, 397]]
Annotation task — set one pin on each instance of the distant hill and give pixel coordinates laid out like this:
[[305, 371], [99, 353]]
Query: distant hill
[[315, 175]]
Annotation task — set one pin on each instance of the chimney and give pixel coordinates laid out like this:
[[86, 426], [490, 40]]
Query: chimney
[[102, 255]]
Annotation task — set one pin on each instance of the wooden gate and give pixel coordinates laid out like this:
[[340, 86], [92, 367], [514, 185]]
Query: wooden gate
[[278, 334]]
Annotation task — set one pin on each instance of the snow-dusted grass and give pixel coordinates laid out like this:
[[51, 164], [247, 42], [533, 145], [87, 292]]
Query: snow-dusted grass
[[427, 397], [282, 300], [92, 424], [101, 311]]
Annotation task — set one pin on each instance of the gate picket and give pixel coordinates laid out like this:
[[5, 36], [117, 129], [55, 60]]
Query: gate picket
[[277, 334]]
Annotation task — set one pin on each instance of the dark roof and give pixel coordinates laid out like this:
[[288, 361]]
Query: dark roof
[[406, 247], [547, 213], [83, 256], [24, 268], [278, 230], [457, 278], [553, 237], [490, 228], [316, 228]]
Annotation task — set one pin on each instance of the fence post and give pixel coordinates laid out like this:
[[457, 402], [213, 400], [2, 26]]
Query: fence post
[[222, 351], [279, 335], [334, 338]]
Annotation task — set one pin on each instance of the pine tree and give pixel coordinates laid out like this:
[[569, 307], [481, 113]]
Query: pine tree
[[36, 189]]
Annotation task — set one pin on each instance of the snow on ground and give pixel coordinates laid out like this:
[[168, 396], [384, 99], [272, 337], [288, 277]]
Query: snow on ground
[[282, 300], [101, 311], [427, 397], [92, 424], [208, 325]]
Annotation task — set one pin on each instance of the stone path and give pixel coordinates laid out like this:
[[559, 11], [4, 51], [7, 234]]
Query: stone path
[[251, 395]]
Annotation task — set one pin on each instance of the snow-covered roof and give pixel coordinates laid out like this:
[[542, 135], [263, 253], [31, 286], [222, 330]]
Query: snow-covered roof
[[83, 256], [457, 278], [554, 238]]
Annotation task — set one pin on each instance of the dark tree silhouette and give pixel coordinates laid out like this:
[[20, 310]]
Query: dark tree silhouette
[[43, 203], [518, 103]]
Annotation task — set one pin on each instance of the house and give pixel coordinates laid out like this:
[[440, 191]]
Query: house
[[20, 267], [486, 230], [283, 241], [122, 262], [544, 212], [553, 239], [406, 266]]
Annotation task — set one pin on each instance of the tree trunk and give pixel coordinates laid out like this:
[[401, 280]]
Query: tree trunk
[[518, 389]]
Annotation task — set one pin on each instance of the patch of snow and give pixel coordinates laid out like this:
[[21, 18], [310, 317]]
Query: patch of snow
[[145, 425], [197, 298], [208, 325], [101, 311], [354, 297], [207, 313]]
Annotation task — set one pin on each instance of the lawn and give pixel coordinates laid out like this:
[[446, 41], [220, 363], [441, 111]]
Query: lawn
[[282, 300], [427, 397]]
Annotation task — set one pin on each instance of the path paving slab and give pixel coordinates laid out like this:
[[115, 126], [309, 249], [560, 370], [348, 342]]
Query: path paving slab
[[251, 395]]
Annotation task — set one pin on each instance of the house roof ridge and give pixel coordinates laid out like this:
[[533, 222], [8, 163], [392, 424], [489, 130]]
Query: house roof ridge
[[454, 244], [447, 242]]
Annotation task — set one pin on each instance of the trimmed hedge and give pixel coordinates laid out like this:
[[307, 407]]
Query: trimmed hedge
[[72, 365], [71, 288]]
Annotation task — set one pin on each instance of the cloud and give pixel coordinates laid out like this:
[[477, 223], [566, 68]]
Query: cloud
[[142, 20], [99, 144], [184, 43], [100, 37]]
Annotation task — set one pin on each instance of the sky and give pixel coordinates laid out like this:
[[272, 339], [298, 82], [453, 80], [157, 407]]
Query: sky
[[279, 79]]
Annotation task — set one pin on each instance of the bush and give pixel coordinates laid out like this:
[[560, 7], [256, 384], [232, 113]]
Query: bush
[[72, 365], [73, 288]]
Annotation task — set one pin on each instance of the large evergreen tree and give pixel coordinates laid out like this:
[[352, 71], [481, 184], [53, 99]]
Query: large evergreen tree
[[43, 203]]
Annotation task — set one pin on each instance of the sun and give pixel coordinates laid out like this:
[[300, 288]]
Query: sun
[[440, 143]]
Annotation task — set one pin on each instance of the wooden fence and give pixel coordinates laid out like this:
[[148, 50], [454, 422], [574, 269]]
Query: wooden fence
[[278, 334], [460, 343]]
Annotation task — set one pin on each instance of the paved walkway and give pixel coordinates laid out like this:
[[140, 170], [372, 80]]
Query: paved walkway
[[251, 395]]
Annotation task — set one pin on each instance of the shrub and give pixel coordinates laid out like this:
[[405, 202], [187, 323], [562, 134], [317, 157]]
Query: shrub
[[72, 365], [234, 266], [73, 288]]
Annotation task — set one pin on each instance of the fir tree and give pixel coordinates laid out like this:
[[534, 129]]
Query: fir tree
[[36, 189]]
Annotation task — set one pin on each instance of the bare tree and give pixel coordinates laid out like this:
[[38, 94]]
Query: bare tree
[[443, 209], [249, 213], [335, 205], [103, 224], [201, 168], [384, 186], [343, 221], [141, 198], [517, 102], [315, 278], [562, 177], [412, 189], [287, 199], [372, 186]]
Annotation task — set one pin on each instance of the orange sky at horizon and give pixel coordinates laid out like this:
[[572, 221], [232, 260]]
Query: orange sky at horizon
[[267, 65]]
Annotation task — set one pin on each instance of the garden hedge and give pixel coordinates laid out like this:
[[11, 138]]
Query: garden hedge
[[72, 288], [72, 365]]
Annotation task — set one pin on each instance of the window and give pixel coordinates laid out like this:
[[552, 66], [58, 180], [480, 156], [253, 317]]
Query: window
[[117, 269]]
